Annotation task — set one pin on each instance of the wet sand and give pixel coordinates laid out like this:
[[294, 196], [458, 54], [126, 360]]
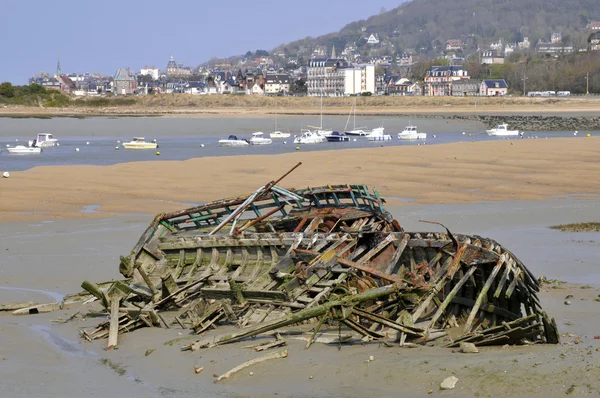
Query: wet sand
[[464, 172], [44, 358]]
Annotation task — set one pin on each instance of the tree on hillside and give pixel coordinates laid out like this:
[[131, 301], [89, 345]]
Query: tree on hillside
[[7, 90]]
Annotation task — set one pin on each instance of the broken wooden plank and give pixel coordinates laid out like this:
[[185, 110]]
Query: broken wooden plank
[[266, 357], [38, 309]]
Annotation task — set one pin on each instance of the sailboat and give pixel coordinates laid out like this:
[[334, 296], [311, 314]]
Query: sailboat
[[320, 130], [355, 131], [277, 133]]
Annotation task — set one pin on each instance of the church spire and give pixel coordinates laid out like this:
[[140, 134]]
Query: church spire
[[58, 69], [333, 54]]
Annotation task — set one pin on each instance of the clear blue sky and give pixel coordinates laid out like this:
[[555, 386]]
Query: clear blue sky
[[101, 36]]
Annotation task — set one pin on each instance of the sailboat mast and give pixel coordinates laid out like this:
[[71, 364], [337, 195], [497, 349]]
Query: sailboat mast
[[354, 106], [321, 110]]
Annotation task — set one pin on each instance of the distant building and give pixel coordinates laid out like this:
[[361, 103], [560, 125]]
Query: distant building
[[509, 49], [177, 70], [594, 26], [556, 38], [594, 41], [454, 45], [278, 83], [152, 72], [439, 79], [493, 87], [466, 88], [525, 44], [491, 57], [66, 84], [326, 76], [554, 48], [124, 82], [360, 79], [373, 39]]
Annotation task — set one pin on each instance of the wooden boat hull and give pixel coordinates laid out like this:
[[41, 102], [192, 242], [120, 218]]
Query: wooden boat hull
[[328, 251]]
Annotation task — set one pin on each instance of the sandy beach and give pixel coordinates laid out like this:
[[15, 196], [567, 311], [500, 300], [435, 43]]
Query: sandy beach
[[511, 170], [63, 224]]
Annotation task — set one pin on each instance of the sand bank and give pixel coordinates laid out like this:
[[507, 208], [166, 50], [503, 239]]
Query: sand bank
[[181, 105], [515, 170]]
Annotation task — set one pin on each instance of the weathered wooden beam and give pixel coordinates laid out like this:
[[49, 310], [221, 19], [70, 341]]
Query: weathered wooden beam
[[483, 294], [450, 296], [370, 271]]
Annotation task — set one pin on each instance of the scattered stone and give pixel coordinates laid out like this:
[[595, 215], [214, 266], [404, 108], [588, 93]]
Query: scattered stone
[[251, 373], [569, 297], [198, 369], [310, 377], [596, 337], [449, 383], [577, 341], [567, 302], [149, 351], [468, 348], [371, 358]]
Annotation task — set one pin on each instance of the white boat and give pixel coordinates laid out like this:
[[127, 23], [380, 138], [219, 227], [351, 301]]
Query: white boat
[[411, 133], [355, 131], [23, 150], [378, 135], [43, 140], [309, 137], [260, 139], [232, 140], [279, 134], [323, 132], [502, 130], [140, 143]]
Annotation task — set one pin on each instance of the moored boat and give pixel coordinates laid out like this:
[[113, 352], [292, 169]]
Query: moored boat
[[411, 133], [233, 140], [24, 150], [44, 140], [378, 135], [309, 137], [279, 134], [502, 130], [260, 139], [140, 143], [336, 136]]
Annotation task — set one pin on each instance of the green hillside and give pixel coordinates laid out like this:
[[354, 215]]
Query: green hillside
[[425, 25]]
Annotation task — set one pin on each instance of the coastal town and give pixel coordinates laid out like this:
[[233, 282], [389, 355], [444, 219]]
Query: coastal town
[[371, 67]]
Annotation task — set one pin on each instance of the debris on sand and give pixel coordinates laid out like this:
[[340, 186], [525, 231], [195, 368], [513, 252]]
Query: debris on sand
[[449, 383], [330, 254], [266, 357]]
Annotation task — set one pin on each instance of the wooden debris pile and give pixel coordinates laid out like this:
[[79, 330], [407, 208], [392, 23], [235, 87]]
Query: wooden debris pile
[[330, 254]]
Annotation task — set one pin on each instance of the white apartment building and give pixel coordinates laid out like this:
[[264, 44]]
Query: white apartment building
[[332, 77], [360, 79], [325, 77]]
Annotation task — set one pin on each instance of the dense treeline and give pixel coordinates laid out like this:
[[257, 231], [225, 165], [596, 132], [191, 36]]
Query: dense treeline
[[541, 73], [31, 95]]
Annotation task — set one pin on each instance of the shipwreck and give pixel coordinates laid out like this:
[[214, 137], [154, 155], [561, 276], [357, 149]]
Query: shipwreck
[[322, 255]]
